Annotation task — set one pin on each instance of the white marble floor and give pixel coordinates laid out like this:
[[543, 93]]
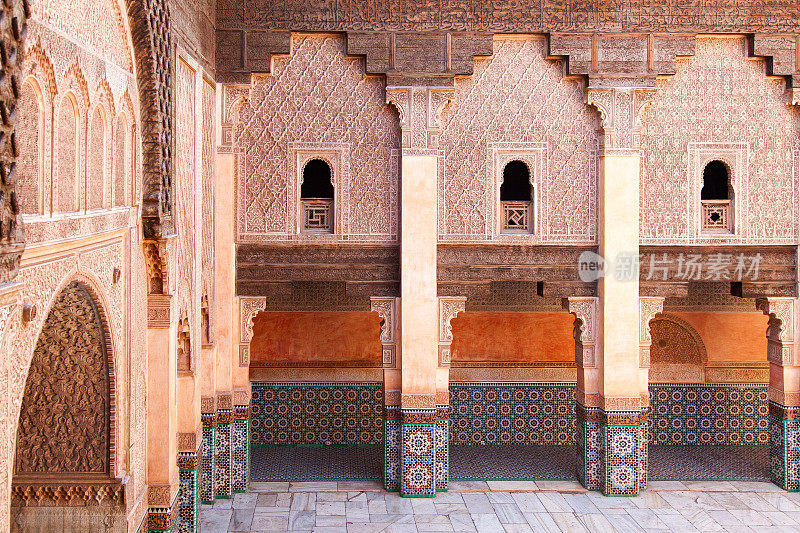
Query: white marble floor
[[550, 506]]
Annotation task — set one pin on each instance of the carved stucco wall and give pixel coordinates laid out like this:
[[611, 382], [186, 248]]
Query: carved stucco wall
[[65, 419], [316, 101], [96, 72], [720, 104], [519, 105]]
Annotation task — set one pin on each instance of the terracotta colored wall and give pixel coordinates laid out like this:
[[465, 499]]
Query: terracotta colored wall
[[316, 337], [513, 337], [731, 336]]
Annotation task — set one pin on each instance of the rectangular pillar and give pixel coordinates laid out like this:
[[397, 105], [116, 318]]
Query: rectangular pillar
[[208, 420], [240, 448], [222, 447], [188, 496], [418, 325]]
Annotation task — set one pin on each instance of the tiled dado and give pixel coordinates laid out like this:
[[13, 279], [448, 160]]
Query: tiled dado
[[222, 454], [316, 413], [207, 466], [512, 413], [720, 414], [785, 446], [188, 497], [612, 451], [240, 448], [418, 453]]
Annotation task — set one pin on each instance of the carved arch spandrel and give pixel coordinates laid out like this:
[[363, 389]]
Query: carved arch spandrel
[[69, 393]]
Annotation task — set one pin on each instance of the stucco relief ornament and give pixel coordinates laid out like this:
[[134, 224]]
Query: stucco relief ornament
[[248, 309], [649, 307], [780, 331], [585, 310], [448, 309]]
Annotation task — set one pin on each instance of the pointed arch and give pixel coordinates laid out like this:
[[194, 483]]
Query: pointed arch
[[65, 189], [30, 142]]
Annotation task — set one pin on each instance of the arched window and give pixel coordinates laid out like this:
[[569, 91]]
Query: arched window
[[29, 142], [121, 160], [95, 178], [716, 198], [316, 196], [516, 198], [66, 189], [184, 354]]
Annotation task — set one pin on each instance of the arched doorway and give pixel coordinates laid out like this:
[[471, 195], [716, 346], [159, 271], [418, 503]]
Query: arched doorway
[[64, 463]]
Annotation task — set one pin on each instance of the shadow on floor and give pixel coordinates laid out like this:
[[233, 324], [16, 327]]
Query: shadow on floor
[[316, 463], [709, 463]]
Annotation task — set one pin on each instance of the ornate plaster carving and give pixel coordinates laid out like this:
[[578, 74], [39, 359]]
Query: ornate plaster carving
[[420, 110], [249, 307], [449, 307], [649, 307], [621, 108], [386, 307], [585, 309], [780, 329]]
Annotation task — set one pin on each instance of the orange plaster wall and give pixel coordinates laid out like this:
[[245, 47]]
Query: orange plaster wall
[[731, 336], [512, 337], [316, 337]]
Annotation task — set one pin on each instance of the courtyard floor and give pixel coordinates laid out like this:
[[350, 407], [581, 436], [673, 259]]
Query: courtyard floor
[[512, 506]]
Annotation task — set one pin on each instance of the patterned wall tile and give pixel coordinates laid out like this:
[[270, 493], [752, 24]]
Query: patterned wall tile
[[207, 474], [512, 413], [240, 449], [391, 476], [621, 458], [442, 454], [589, 444], [418, 448], [222, 455], [709, 414], [316, 413], [187, 520], [785, 451]]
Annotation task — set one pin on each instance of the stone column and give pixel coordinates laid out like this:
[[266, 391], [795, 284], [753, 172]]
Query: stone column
[[419, 109], [612, 398], [784, 390], [162, 414]]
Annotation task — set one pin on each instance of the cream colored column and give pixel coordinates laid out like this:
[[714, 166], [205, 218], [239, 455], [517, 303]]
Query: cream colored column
[[419, 109], [225, 265], [162, 410], [419, 317]]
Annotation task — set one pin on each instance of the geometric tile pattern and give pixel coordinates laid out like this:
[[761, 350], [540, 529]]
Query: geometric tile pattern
[[709, 463], [187, 519], [621, 459], [709, 414], [442, 459], [589, 444], [240, 449], [512, 463], [785, 447], [206, 480], [222, 454], [316, 463], [316, 414], [418, 461], [391, 447], [512, 413]]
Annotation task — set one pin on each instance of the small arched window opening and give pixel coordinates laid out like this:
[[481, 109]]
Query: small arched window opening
[[316, 196], [516, 198], [205, 321], [184, 352], [716, 198]]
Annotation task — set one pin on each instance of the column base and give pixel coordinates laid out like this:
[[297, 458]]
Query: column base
[[207, 474], [418, 453], [391, 448], [442, 447], [188, 497], [612, 450], [222, 454], [784, 448], [162, 519], [240, 448]]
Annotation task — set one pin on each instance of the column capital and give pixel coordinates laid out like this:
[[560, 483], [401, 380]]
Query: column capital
[[586, 310], [649, 307], [387, 308], [449, 307], [781, 329], [620, 103], [420, 110]]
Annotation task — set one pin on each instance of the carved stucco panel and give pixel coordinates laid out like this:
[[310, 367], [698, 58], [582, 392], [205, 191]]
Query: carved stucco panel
[[585, 332], [315, 95], [649, 307], [719, 96], [519, 96]]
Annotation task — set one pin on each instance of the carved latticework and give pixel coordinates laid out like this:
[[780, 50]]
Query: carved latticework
[[65, 420], [716, 215], [516, 217]]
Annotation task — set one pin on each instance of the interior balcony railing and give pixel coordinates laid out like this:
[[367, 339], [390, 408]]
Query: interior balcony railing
[[716, 216], [516, 217], [317, 215]]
